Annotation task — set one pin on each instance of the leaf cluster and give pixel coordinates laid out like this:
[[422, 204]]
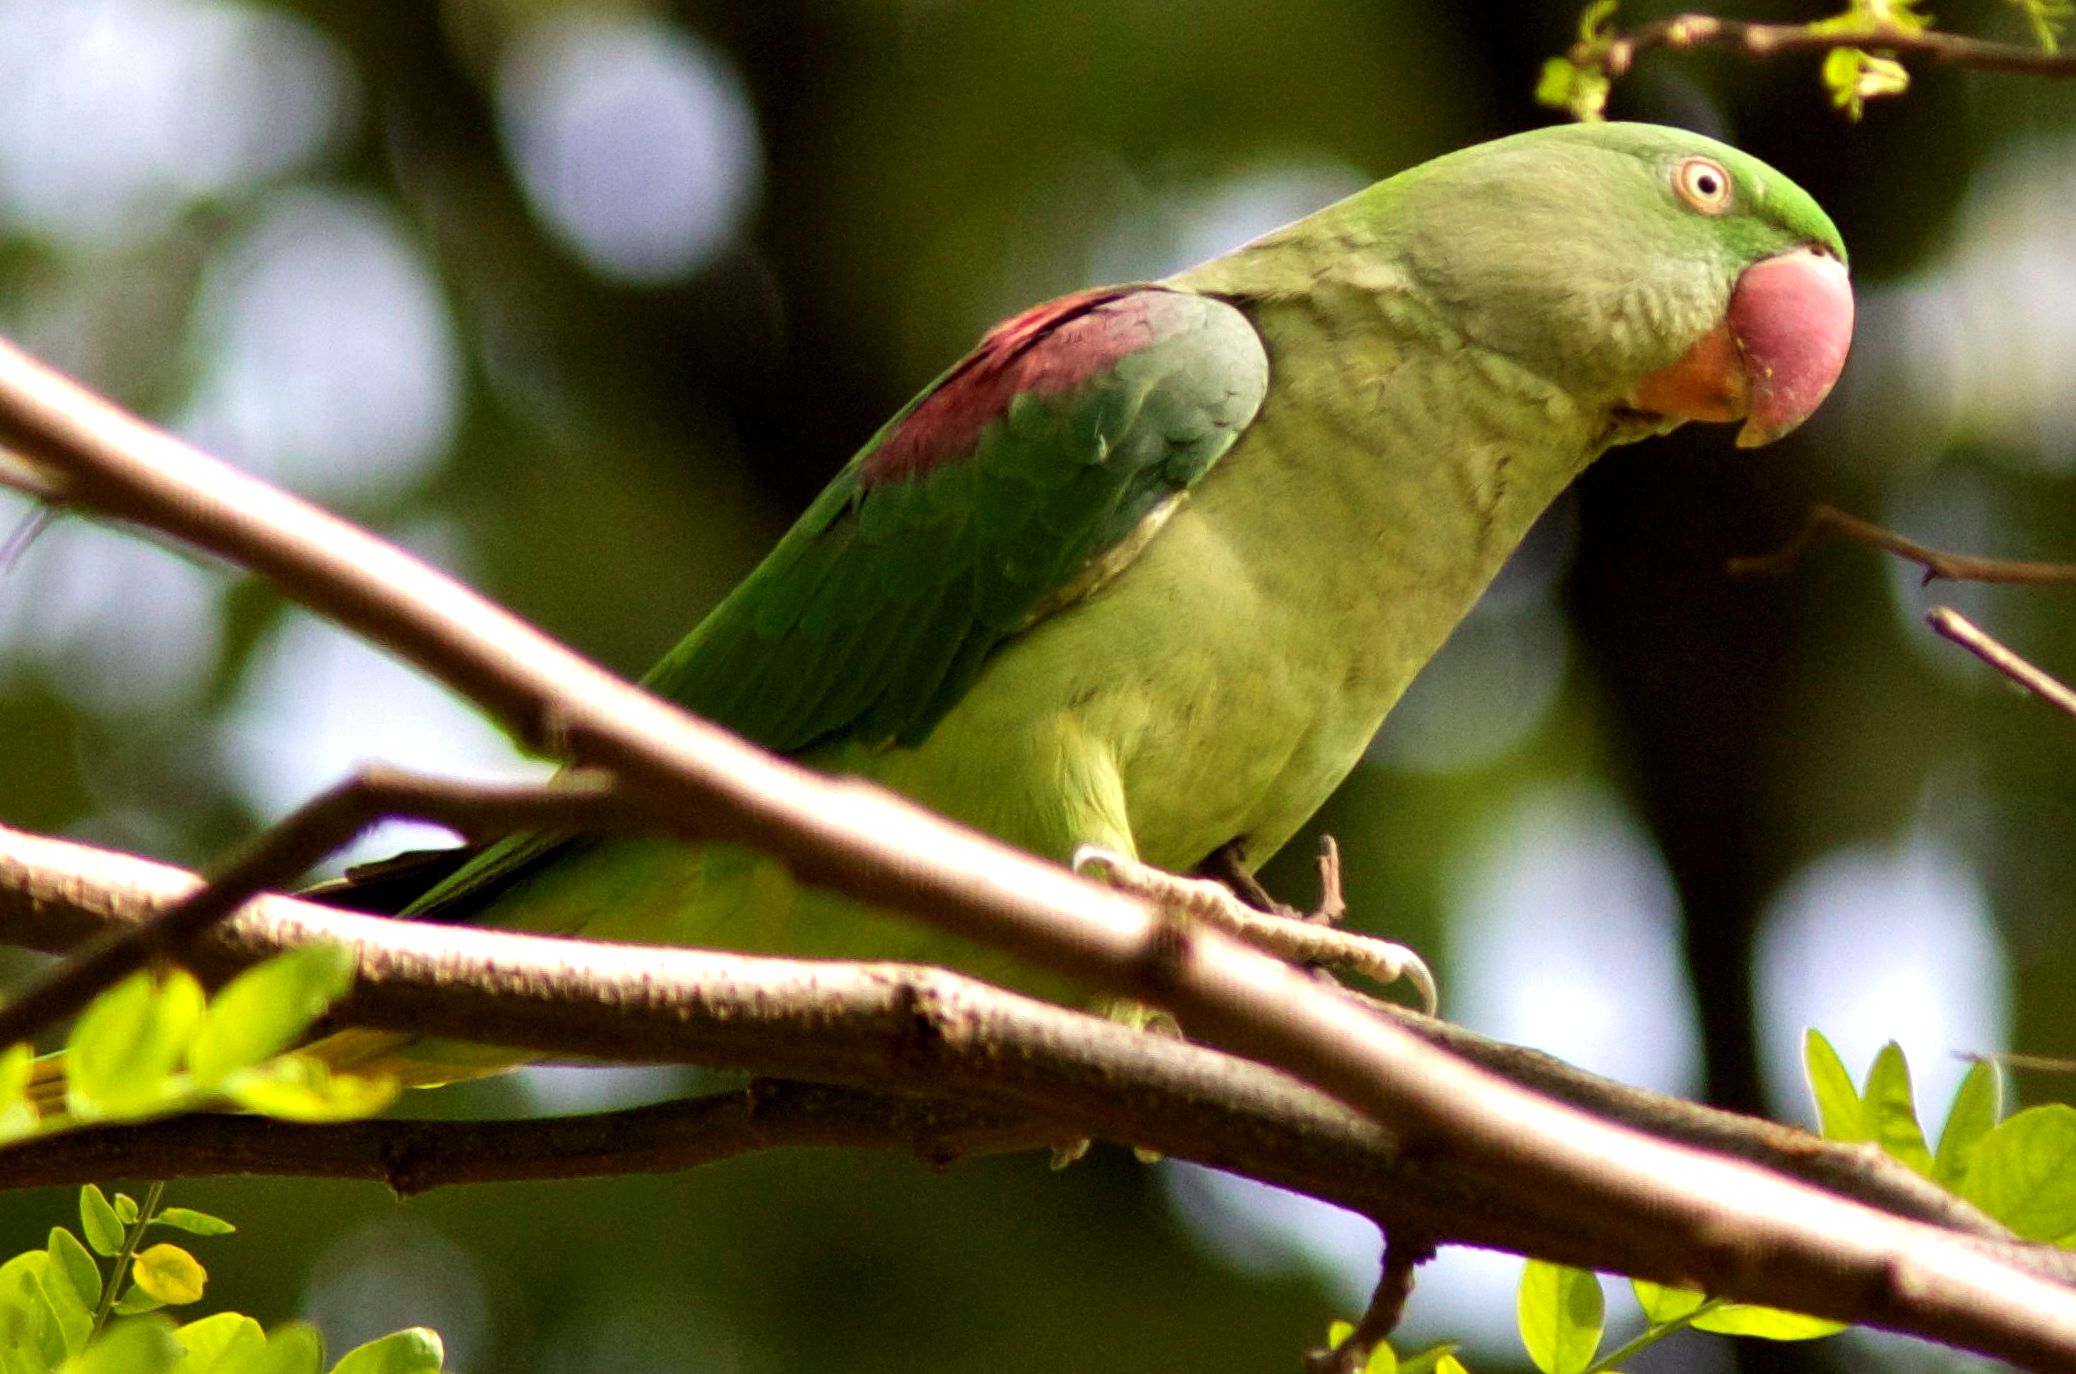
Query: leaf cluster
[[89, 1303], [1856, 68], [155, 1044], [2018, 1170]]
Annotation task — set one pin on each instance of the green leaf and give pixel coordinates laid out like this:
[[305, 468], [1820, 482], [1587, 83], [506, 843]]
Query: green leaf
[[122, 1054], [1560, 1310], [1436, 1359], [194, 1223], [415, 1350], [126, 1209], [18, 1115], [134, 1347], [1662, 1305], [1840, 1115], [1890, 1110], [169, 1274], [1972, 1116], [70, 1258], [72, 1319], [104, 1230], [266, 1009], [136, 1302], [1579, 91], [221, 1341], [1764, 1323], [2024, 1173], [299, 1088], [292, 1348]]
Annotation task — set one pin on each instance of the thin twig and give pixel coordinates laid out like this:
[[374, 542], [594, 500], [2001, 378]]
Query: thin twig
[[1685, 32], [1826, 522], [306, 837], [1960, 630], [1402, 1255]]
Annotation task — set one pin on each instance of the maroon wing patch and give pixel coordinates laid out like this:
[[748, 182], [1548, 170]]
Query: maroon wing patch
[[1048, 349]]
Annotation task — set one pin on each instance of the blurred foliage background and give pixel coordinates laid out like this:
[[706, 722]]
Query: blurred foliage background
[[585, 300]]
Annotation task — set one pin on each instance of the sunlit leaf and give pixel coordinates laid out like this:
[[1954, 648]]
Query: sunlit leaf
[[266, 1009], [136, 1301], [1839, 1112], [1579, 91], [133, 1347], [1560, 1311], [1764, 1323], [292, 1348], [69, 1257], [1890, 1110], [104, 1230], [18, 1115], [299, 1088], [220, 1342], [194, 1223], [416, 1350], [1973, 1115], [72, 1319], [1436, 1359], [1661, 1304], [122, 1054], [2024, 1173], [169, 1274]]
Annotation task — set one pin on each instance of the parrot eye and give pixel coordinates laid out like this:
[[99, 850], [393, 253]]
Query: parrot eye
[[1703, 183]]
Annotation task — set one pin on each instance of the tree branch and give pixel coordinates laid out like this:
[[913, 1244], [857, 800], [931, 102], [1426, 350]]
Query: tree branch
[[284, 853], [1605, 1196], [414, 1156], [1958, 628], [1688, 32], [885, 1027], [1829, 522]]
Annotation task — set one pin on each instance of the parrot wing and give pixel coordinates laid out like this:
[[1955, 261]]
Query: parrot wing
[[1018, 482]]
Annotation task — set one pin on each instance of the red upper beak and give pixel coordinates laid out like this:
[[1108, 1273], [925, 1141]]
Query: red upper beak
[[1775, 356]]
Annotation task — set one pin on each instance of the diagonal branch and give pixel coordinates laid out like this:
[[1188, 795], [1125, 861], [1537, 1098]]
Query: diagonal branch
[[281, 855], [892, 1028], [1958, 628], [1668, 1211]]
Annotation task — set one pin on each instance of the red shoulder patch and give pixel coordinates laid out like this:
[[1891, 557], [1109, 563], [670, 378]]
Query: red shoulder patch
[[1046, 350]]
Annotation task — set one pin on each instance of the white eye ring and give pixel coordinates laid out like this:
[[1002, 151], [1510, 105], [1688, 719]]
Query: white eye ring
[[1703, 183]]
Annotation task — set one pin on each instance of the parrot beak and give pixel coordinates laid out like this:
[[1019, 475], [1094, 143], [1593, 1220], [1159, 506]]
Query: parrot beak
[[1792, 317], [1775, 356]]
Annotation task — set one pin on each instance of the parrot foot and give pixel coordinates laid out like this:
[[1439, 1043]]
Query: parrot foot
[[1228, 865], [1294, 938]]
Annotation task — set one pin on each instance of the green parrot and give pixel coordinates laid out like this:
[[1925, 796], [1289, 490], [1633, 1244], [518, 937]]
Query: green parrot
[[1145, 569]]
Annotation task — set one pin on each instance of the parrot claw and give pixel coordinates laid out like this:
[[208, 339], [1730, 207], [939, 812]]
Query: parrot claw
[[1287, 937]]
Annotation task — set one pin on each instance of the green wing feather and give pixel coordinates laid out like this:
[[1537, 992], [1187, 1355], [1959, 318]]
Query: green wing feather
[[1011, 487]]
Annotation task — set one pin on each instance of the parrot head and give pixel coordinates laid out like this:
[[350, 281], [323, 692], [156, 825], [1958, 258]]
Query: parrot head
[[1666, 275]]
